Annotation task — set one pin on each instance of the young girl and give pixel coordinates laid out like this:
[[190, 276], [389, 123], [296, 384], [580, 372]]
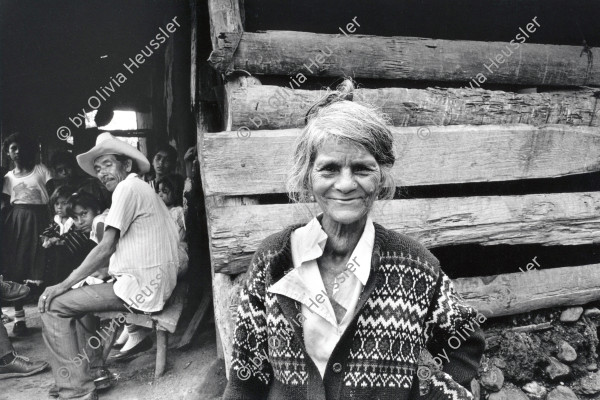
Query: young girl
[[86, 211], [25, 188], [170, 190], [58, 264]]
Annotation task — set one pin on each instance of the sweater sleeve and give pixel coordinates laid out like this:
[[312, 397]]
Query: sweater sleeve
[[456, 342], [251, 373]]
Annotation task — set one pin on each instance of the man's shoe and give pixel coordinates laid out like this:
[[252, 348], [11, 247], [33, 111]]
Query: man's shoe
[[12, 291], [21, 366], [142, 346], [20, 329], [102, 379]]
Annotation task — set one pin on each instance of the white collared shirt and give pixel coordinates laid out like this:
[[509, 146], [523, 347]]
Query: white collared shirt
[[63, 228], [146, 260], [305, 285]]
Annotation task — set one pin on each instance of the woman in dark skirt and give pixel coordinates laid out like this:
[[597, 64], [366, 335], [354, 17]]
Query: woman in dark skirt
[[22, 225]]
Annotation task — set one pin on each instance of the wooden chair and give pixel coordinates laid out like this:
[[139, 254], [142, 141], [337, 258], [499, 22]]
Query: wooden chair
[[163, 323]]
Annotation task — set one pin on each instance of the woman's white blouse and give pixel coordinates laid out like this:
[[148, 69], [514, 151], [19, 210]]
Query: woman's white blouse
[[305, 285]]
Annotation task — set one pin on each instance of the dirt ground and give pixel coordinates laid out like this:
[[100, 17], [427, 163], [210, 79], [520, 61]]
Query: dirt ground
[[192, 374]]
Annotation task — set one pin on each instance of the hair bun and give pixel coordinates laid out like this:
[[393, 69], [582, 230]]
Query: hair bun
[[344, 91]]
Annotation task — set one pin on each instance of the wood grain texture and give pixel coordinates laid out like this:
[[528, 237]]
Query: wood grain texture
[[274, 107], [235, 166], [412, 58], [509, 294], [225, 17], [547, 219], [226, 294]]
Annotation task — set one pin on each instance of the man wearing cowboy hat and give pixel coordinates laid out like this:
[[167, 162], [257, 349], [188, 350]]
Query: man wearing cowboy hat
[[139, 247]]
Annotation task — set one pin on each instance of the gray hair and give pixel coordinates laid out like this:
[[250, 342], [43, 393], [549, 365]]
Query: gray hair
[[347, 121]]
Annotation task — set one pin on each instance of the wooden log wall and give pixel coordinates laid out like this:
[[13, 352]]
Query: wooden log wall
[[453, 154], [274, 107], [409, 58]]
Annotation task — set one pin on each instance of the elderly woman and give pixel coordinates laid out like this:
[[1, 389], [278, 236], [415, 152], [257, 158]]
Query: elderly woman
[[342, 308]]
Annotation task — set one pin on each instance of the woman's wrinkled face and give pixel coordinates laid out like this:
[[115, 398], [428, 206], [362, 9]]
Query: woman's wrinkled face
[[345, 181]]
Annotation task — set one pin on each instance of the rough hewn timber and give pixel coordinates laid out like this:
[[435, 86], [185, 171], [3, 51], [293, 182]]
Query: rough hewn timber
[[274, 107], [226, 290], [547, 219], [413, 58], [509, 294], [235, 165], [225, 18]]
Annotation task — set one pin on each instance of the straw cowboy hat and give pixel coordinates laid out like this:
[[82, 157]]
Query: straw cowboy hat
[[108, 144]]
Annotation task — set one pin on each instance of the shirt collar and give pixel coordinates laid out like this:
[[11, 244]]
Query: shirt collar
[[311, 240]]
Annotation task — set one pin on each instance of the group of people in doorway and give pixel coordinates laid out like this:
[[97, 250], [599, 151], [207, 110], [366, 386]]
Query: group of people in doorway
[[91, 242]]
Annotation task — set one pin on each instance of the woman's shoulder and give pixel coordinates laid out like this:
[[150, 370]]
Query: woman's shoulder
[[393, 242], [278, 240]]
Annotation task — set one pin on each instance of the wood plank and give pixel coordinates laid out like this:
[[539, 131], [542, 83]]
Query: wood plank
[[225, 17], [201, 311], [274, 107], [547, 219], [509, 294], [234, 165], [226, 298], [413, 58]]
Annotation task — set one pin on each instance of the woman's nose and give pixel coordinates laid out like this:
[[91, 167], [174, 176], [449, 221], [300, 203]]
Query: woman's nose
[[345, 181]]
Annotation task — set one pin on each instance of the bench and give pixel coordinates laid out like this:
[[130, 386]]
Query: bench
[[163, 323]]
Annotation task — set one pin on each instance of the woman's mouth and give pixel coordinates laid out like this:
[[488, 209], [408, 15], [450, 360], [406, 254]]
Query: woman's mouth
[[346, 201]]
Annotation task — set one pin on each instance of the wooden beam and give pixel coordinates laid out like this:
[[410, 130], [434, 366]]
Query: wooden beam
[[225, 19], [361, 56], [227, 293], [547, 219], [273, 107], [509, 294], [201, 311], [235, 165]]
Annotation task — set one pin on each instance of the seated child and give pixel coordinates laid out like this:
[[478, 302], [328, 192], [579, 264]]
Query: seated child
[[58, 262], [170, 190], [62, 222], [87, 213]]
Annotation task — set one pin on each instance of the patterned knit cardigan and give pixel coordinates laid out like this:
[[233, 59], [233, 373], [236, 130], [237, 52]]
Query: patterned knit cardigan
[[407, 305]]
